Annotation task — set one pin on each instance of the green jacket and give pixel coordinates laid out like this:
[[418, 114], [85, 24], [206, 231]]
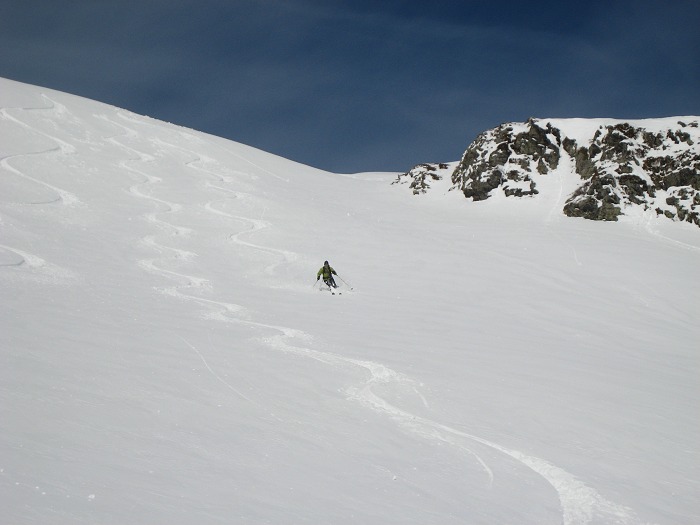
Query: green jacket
[[326, 271]]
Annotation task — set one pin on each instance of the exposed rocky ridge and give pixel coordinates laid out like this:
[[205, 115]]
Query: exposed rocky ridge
[[652, 163]]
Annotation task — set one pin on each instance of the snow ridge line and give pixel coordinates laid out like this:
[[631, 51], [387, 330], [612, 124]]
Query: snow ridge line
[[131, 117]]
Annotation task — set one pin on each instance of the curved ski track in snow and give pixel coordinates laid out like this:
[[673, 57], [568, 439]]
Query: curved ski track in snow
[[255, 224], [580, 503], [23, 258], [62, 147], [222, 310]]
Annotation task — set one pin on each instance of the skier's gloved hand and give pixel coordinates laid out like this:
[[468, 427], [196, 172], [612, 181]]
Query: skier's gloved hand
[[318, 277]]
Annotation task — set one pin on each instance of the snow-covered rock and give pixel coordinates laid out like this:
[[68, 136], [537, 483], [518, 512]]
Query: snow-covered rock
[[419, 177], [618, 165]]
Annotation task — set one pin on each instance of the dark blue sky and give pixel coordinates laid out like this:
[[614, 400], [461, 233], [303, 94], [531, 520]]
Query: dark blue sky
[[360, 85]]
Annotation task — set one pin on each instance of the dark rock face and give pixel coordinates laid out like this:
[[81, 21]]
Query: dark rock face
[[621, 165], [506, 157], [596, 200], [626, 165]]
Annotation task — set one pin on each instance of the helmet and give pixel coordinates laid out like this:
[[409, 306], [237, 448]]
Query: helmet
[[325, 263]]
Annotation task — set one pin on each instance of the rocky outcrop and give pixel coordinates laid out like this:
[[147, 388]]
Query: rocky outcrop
[[627, 165], [653, 164], [507, 157], [420, 177]]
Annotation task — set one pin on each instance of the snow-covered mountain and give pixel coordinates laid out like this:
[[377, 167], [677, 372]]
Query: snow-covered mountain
[[650, 164], [168, 357]]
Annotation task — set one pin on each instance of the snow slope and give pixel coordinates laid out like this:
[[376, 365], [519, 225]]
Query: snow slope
[[167, 357]]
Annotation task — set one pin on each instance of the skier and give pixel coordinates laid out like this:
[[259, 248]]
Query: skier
[[328, 274]]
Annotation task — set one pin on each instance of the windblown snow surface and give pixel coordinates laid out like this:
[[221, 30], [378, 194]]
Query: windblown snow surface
[[167, 356]]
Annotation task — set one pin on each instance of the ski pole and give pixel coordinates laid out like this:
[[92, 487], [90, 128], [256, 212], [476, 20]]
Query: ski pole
[[339, 277]]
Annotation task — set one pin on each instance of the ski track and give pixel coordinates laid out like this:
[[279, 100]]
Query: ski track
[[556, 209], [66, 198], [217, 376], [580, 503], [221, 311], [255, 224], [163, 207], [650, 220], [25, 258], [62, 147]]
